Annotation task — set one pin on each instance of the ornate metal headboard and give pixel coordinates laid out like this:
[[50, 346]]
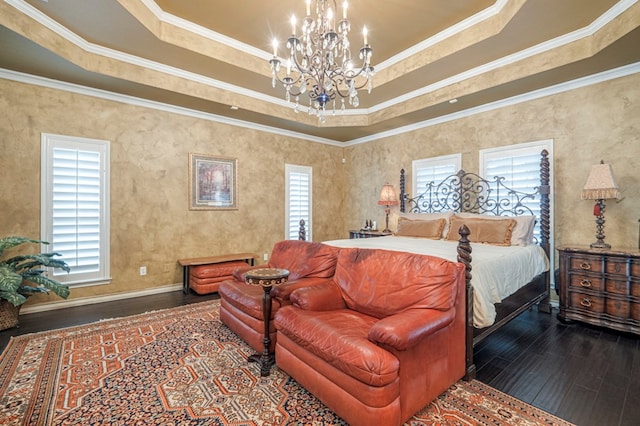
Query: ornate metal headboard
[[469, 192]]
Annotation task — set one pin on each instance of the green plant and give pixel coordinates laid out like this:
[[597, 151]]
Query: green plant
[[22, 275]]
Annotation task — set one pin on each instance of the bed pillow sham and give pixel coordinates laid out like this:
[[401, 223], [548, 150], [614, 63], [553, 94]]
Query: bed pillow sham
[[483, 230], [429, 216], [431, 229], [522, 234]]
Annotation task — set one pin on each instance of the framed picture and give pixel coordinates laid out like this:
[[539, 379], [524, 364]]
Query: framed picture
[[212, 182]]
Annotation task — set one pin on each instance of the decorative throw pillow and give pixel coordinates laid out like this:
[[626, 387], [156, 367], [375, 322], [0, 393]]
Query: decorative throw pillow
[[522, 234], [420, 228], [489, 231]]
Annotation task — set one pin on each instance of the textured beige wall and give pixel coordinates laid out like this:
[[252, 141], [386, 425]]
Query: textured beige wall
[[599, 122], [150, 221], [151, 224]]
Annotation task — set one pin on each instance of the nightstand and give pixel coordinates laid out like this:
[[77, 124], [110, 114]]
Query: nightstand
[[600, 287], [367, 234]]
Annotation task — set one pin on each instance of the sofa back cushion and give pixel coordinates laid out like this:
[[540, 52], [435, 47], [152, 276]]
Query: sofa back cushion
[[304, 259], [382, 282]]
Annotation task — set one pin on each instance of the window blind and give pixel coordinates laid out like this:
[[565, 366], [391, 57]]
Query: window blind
[[434, 170], [298, 201], [76, 208], [520, 168]]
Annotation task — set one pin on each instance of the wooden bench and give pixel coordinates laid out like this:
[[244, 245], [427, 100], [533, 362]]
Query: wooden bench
[[211, 260]]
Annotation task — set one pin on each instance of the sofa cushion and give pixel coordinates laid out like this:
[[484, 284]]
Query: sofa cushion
[[246, 298], [382, 282], [304, 259], [213, 270], [340, 339]]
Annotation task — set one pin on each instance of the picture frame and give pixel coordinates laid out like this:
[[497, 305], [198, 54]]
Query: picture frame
[[212, 182]]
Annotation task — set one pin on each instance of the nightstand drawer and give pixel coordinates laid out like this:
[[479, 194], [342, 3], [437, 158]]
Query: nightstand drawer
[[617, 287], [616, 267], [587, 302], [618, 308], [585, 281], [635, 311], [586, 263], [635, 269]]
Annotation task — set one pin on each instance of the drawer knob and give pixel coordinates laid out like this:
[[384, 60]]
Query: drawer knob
[[585, 283], [585, 265], [586, 302]]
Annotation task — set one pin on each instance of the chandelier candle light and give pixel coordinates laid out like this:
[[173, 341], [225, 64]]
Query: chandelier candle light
[[320, 62]]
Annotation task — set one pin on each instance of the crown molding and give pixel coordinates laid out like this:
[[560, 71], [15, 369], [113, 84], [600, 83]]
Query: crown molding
[[145, 103], [131, 100], [525, 97]]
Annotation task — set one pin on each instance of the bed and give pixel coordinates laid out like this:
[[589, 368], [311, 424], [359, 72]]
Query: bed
[[473, 198]]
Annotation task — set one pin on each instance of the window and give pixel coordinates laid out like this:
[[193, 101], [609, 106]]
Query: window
[[520, 166], [298, 200], [433, 169], [75, 206]]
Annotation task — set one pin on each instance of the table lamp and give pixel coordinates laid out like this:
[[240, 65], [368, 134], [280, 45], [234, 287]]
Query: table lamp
[[600, 186], [388, 197]]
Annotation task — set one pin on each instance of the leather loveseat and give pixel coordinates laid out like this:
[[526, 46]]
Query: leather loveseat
[[379, 341], [308, 263]]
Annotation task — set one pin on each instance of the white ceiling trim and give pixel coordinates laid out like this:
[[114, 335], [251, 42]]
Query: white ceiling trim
[[145, 103], [54, 26], [83, 44], [168, 18], [547, 46], [537, 94], [444, 34]]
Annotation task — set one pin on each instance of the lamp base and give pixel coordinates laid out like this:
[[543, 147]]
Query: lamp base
[[600, 245], [598, 211]]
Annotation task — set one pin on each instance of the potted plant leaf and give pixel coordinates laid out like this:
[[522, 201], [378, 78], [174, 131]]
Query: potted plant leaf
[[22, 276]]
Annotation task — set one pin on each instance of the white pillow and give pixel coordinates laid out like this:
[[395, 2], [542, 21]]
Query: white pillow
[[522, 234], [430, 216]]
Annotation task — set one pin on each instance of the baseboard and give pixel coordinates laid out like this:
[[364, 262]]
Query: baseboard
[[43, 307]]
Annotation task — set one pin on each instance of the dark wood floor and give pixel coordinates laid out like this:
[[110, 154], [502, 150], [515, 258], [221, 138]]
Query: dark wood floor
[[586, 375]]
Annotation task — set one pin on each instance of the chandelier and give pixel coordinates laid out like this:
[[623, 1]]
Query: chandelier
[[320, 62]]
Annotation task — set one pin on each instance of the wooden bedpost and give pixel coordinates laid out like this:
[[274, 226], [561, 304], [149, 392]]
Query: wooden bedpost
[[464, 257], [302, 232], [545, 224]]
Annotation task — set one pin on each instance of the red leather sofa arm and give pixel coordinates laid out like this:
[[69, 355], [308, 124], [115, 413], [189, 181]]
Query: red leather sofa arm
[[404, 330], [238, 273], [320, 297]]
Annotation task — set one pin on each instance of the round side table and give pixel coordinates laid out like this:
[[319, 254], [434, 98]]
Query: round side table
[[267, 278]]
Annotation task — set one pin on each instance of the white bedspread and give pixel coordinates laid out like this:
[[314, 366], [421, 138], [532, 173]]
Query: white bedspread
[[497, 271]]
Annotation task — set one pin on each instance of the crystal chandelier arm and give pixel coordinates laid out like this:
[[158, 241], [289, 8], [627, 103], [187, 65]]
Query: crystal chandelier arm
[[320, 61]]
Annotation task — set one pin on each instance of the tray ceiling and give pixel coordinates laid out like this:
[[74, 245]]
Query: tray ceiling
[[210, 56]]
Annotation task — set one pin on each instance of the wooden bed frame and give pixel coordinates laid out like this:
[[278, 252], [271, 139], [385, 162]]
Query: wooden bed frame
[[467, 192]]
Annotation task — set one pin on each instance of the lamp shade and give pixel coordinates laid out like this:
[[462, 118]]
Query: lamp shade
[[600, 184], [388, 196]]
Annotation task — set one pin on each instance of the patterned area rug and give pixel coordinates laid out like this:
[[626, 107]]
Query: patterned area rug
[[182, 366]]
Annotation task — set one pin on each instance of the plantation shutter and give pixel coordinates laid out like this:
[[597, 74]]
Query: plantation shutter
[[434, 170], [520, 168], [298, 198], [75, 206]]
